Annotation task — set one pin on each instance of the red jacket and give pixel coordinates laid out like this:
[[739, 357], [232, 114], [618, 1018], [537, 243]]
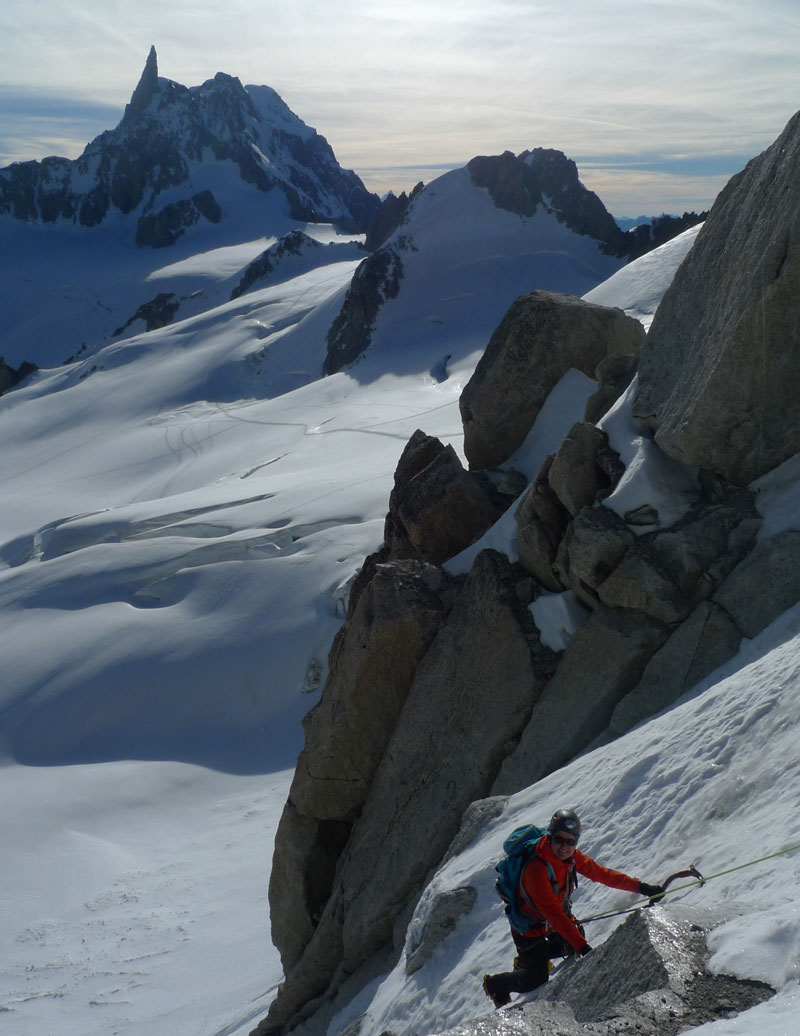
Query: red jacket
[[549, 913]]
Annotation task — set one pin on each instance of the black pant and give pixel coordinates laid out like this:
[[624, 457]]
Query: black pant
[[530, 967]]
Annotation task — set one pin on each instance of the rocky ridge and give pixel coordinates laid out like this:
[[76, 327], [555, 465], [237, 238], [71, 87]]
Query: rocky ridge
[[665, 605], [546, 178]]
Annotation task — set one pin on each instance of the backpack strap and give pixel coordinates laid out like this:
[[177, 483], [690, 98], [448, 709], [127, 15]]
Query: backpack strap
[[566, 895]]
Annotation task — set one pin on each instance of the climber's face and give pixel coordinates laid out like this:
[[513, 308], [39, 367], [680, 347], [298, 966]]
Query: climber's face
[[563, 845]]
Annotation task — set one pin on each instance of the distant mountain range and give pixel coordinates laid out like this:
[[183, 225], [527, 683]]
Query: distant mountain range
[[177, 150], [224, 168]]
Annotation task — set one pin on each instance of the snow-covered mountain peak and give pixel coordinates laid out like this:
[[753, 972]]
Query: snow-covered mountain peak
[[162, 162], [274, 111]]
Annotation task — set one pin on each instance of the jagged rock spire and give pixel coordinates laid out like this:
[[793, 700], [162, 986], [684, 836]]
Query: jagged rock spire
[[147, 86]]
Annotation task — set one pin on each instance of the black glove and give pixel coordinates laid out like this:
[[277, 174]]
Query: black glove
[[651, 891], [584, 950]]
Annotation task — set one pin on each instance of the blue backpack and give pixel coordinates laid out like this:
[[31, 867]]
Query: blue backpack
[[519, 847]]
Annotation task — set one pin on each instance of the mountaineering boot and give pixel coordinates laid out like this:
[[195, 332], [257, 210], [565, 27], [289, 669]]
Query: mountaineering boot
[[498, 999]]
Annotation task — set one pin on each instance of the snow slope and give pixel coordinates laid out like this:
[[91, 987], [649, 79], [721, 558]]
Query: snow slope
[[67, 289], [464, 262], [712, 782], [182, 513]]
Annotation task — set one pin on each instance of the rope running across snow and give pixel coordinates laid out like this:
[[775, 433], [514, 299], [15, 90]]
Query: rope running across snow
[[690, 884]]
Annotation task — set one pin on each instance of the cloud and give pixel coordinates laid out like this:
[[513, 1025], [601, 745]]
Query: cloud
[[426, 82]]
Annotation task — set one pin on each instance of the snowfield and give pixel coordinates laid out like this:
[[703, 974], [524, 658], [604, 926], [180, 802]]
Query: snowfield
[[182, 513]]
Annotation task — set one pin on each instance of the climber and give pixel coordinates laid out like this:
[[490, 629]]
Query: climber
[[539, 905]]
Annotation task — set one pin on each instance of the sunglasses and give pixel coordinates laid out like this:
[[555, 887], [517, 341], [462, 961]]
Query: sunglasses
[[561, 840]]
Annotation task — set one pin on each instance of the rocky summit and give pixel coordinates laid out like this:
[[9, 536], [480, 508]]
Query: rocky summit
[[170, 138]]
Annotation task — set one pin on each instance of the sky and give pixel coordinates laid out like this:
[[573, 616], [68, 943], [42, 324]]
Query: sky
[[658, 101]]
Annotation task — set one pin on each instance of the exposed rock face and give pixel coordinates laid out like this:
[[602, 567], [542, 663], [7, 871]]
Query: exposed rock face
[[146, 89], [160, 145], [639, 583], [488, 648], [430, 772], [698, 646], [436, 508], [602, 662], [578, 473], [613, 377], [389, 217], [645, 237], [650, 977], [11, 376], [158, 312], [295, 243], [722, 359], [375, 280], [764, 584], [547, 178], [166, 226], [668, 606], [701, 549], [542, 336], [373, 661]]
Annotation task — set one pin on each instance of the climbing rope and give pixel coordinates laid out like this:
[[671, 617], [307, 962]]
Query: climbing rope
[[699, 880]]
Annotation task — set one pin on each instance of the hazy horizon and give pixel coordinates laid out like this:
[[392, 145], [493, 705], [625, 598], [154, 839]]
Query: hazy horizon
[[657, 106]]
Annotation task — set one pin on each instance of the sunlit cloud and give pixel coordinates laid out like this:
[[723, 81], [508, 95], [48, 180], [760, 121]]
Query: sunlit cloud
[[423, 84]]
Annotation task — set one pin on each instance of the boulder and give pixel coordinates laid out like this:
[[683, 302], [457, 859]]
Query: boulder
[[719, 373], [594, 544], [542, 521], [602, 662], [698, 646], [575, 475], [764, 584], [541, 337], [441, 918], [537, 555], [651, 977], [372, 664], [638, 583], [540, 502], [613, 377], [436, 508]]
